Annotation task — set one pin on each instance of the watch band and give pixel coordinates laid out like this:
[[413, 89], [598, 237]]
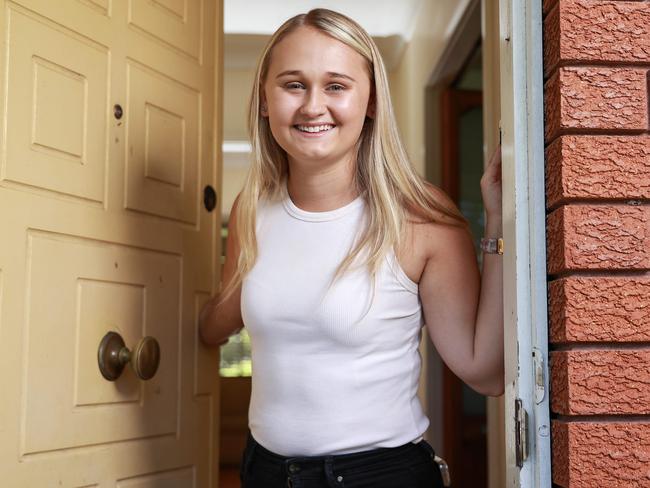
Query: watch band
[[492, 245]]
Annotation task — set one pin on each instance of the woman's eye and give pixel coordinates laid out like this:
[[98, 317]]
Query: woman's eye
[[294, 85], [336, 87]]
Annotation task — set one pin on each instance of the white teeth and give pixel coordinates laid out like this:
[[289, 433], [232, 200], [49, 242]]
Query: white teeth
[[314, 128]]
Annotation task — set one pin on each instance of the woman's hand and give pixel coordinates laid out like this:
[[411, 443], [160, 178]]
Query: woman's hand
[[219, 320], [491, 185]]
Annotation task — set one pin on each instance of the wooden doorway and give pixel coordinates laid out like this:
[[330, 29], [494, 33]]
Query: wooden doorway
[[111, 115], [464, 411]]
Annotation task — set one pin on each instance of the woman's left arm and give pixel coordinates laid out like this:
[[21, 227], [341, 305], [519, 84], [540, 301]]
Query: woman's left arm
[[463, 308]]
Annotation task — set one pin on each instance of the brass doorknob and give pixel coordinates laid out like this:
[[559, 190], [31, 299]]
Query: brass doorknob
[[113, 355]]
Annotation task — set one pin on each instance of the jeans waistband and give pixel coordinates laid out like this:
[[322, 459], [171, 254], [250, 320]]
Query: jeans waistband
[[341, 461]]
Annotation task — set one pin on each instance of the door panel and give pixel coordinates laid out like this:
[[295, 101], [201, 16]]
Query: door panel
[[163, 145], [168, 479], [175, 23], [103, 229], [99, 286], [56, 117]]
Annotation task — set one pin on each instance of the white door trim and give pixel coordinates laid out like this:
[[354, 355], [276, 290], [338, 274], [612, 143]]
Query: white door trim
[[524, 226]]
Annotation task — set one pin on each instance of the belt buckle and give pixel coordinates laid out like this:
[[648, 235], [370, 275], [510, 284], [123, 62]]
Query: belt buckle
[[444, 470]]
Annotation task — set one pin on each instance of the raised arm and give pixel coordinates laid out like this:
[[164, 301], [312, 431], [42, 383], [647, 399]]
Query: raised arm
[[463, 308], [217, 322]]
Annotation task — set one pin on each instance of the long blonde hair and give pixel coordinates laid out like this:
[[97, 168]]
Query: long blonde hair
[[384, 174]]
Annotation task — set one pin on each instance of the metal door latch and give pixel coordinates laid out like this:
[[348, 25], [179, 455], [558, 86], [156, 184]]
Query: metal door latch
[[444, 470]]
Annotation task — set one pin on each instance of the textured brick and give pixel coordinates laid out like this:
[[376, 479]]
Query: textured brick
[[595, 98], [605, 382], [593, 167], [551, 42], [601, 454], [560, 453], [584, 237], [559, 379], [582, 31], [599, 309]]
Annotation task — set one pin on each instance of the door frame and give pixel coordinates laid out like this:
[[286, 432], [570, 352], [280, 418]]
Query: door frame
[[454, 102], [478, 23], [524, 233], [514, 95]]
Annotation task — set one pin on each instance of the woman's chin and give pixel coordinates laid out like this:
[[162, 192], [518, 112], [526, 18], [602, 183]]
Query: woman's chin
[[312, 156], [311, 153]]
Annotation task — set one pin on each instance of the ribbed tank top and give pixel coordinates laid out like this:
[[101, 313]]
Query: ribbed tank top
[[329, 375]]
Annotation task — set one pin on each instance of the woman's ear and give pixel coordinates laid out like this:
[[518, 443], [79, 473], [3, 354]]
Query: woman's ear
[[264, 110], [372, 106]]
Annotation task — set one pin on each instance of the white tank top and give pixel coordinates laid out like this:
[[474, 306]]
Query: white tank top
[[323, 381]]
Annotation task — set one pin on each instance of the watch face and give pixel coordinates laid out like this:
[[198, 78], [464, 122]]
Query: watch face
[[489, 245]]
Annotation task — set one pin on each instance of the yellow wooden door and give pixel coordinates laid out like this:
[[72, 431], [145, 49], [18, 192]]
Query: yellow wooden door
[[103, 228]]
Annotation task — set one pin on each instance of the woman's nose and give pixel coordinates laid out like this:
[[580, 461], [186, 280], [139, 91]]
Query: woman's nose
[[314, 103]]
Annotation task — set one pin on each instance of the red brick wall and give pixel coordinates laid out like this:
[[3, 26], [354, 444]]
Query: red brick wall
[[596, 103]]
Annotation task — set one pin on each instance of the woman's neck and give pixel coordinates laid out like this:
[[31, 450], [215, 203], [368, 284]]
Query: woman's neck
[[321, 190]]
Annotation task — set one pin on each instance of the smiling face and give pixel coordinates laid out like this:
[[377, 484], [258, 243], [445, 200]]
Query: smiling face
[[316, 97]]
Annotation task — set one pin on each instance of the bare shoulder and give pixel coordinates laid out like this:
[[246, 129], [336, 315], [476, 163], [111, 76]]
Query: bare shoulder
[[427, 240], [429, 236]]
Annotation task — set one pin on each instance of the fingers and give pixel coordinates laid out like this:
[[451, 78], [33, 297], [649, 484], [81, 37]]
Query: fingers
[[492, 172], [496, 156]]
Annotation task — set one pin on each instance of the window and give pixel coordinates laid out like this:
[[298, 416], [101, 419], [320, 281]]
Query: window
[[236, 353], [236, 356]]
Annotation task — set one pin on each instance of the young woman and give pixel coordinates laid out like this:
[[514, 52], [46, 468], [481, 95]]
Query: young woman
[[337, 255]]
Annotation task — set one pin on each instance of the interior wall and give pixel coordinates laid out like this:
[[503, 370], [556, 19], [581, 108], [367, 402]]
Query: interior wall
[[233, 182], [237, 88], [435, 24]]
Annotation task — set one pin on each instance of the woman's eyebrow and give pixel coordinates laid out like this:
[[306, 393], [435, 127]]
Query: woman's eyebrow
[[331, 74], [341, 75], [289, 73]]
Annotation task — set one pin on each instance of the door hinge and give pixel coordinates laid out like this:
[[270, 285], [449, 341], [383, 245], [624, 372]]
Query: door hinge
[[521, 433]]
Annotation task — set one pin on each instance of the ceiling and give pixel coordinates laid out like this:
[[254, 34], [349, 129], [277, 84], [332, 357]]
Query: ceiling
[[389, 22], [379, 17]]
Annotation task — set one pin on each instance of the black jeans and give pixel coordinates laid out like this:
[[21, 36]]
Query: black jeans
[[407, 466]]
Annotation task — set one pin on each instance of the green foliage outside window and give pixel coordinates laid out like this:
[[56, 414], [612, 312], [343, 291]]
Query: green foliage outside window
[[236, 353], [236, 356]]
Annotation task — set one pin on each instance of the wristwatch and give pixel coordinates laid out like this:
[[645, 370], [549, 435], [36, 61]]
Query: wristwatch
[[492, 245]]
